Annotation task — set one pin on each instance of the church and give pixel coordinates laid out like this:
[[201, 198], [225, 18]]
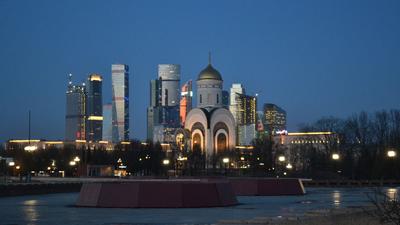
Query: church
[[210, 126]]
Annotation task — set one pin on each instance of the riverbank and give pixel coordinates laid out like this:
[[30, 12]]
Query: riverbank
[[346, 216]]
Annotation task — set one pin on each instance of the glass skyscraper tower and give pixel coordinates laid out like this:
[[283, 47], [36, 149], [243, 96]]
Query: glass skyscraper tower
[[120, 102], [94, 107], [75, 118]]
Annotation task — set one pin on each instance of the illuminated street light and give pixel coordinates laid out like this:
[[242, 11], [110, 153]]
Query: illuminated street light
[[165, 162], [11, 163], [225, 160], [17, 167], [242, 158], [335, 156], [72, 163], [281, 158], [30, 148], [289, 166], [77, 159], [391, 154]]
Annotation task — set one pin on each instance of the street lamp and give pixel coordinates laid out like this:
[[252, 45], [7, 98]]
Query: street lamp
[[77, 159], [11, 164], [289, 166], [281, 158], [391, 154], [335, 156], [72, 163], [165, 162], [225, 160]]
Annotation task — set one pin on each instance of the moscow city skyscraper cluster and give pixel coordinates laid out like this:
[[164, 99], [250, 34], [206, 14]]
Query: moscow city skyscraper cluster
[[87, 119]]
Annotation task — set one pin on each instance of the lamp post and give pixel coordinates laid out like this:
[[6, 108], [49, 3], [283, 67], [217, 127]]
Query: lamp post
[[166, 162], [335, 156], [391, 154], [225, 161]]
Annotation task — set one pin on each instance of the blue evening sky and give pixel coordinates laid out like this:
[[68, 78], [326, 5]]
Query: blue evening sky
[[313, 58]]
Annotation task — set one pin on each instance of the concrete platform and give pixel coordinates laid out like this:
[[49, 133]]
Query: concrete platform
[[267, 186], [158, 194]]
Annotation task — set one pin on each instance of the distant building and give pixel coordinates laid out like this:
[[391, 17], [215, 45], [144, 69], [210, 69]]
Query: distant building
[[75, 118], [186, 101], [155, 93], [275, 118], [246, 118], [120, 102], [94, 107], [163, 116], [170, 77], [233, 106], [155, 101], [225, 98], [107, 122]]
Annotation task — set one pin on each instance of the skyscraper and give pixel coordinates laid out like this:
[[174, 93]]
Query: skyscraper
[[107, 122], [120, 102], [225, 98], [163, 113], [155, 101], [233, 107], [186, 101], [75, 118], [246, 118], [275, 118], [94, 105], [170, 77]]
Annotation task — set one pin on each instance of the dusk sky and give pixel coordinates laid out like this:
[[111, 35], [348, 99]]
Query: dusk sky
[[312, 58]]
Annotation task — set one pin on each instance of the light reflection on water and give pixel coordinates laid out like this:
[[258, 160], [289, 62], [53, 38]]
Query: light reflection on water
[[30, 211]]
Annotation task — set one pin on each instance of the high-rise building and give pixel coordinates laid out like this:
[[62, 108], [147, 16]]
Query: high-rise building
[[155, 101], [233, 107], [163, 116], [107, 122], [275, 118], [155, 89], [225, 99], [120, 102], [75, 118], [186, 101], [246, 118], [94, 108], [170, 77]]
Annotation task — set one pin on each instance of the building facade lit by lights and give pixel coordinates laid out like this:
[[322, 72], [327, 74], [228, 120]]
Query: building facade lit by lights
[[275, 118], [120, 102], [75, 116], [186, 101], [246, 118], [233, 106], [94, 108], [209, 127], [107, 122]]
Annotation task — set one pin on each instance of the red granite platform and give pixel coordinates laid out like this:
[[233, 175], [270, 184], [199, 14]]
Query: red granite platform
[[267, 186], [158, 194]]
